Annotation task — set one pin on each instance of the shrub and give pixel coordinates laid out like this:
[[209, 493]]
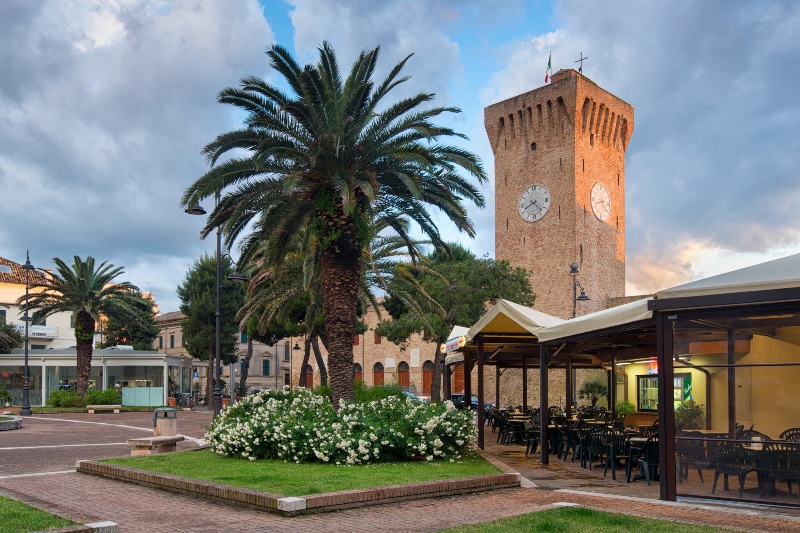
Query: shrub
[[109, 396], [323, 390], [65, 398], [364, 394], [299, 425], [625, 408], [690, 415]]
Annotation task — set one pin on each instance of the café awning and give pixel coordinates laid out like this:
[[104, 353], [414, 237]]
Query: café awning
[[613, 317]]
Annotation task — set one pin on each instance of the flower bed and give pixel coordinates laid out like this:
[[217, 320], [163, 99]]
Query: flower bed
[[300, 426]]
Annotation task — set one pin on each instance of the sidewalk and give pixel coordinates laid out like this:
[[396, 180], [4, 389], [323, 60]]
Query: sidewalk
[[136, 508]]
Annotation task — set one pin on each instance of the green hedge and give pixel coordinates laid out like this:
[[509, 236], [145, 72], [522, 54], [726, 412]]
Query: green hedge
[[105, 397], [65, 398]]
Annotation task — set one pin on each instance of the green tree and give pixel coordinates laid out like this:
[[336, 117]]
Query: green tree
[[199, 305], [10, 338], [328, 158], [90, 293], [461, 285], [138, 331]]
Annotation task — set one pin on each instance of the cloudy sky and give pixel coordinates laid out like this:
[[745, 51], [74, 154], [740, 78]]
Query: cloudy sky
[[105, 106]]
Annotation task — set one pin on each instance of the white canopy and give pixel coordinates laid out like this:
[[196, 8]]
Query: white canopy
[[508, 317], [607, 318], [777, 274]]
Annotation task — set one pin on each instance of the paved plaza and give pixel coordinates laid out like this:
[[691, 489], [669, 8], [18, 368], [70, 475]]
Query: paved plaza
[[37, 465]]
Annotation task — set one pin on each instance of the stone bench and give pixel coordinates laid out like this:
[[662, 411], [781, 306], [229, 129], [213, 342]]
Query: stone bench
[[151, 445], [93, 408]]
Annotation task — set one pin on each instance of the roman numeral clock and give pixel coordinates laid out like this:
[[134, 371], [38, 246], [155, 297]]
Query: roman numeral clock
[[559, 154]]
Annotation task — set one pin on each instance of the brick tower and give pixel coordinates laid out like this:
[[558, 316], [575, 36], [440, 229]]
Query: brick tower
[[559, 154]]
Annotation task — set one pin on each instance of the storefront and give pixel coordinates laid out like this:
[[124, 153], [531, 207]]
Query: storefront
[[143, 378]]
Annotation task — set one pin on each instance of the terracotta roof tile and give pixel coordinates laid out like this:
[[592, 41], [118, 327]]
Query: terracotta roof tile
[[17, 274], [172, 315]]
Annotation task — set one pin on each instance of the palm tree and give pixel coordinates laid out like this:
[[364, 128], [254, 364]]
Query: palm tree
[[89, 293], [329, 158]]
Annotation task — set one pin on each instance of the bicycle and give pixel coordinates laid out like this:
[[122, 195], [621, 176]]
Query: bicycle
[[186, 401]]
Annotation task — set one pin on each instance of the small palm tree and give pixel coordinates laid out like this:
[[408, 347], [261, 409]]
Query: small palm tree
[[89, 293], [330, 158]]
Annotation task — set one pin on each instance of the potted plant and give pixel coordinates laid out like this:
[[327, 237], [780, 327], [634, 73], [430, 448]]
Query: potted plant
[[690, 415], [592, 390]]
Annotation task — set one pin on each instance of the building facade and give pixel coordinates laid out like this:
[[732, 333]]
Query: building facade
[[56, 332]]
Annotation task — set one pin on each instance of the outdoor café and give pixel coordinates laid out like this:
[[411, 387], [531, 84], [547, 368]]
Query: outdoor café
[[715, 362]]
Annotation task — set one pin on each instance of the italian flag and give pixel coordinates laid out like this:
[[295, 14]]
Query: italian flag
[[549, 71]]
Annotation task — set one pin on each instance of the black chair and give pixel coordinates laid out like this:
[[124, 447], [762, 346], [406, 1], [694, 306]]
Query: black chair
[[732, 459], [595, 446], [616, 441], [569, 441], [690, 452], [647, 461], [501, 423], [531, 437], [783, 464], [648, 431], [792, 434]]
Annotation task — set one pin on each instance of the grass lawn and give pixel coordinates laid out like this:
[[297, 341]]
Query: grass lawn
[[4, 418], [570, 519], [290, 479], [18, 517]]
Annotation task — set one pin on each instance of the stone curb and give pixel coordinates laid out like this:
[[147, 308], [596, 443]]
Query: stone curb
[[95, 527], [292, 506], [14, 423]]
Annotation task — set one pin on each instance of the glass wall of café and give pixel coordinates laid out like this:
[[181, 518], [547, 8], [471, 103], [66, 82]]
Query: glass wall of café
[[744, 369]]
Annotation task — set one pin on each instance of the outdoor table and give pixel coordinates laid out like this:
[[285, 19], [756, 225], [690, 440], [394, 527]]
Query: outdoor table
[[710, 432]]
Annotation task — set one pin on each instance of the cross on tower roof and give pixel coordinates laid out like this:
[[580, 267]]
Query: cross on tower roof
[[580, 68]]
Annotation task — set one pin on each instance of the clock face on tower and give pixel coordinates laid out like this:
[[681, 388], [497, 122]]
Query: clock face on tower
[[601, 201], [534, 202]]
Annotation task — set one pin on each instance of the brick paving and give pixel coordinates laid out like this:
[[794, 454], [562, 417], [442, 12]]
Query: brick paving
[[137, 508]]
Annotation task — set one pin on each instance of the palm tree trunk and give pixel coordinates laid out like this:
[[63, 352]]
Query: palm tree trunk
[[210, 376], [306, 355], [246, 366], [323, 370], [436, 380], [84, 337], [341, 275]]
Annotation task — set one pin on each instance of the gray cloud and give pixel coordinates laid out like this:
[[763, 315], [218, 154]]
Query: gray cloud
[[104, 108], [713, 158]]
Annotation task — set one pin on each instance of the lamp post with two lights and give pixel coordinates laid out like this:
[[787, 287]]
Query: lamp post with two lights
[[197, 209]]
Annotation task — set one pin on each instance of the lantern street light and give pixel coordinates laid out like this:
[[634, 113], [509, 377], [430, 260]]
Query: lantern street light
[[573, 269], [197, 209]]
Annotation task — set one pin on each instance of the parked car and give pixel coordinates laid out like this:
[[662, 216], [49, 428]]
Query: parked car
[[413, 396], [458, 401]]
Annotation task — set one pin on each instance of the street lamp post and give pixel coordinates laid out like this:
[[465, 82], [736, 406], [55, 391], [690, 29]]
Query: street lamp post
[[197, 209], [573, 269], [26, 400]]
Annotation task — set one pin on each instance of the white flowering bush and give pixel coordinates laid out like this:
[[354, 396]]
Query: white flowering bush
[[300, 426]]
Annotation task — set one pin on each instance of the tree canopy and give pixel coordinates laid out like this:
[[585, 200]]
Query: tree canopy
[[139, 331], [10, 338], [90, 292], [326, 160], [463, 286]]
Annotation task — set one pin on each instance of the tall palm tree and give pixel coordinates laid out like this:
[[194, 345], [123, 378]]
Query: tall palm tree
[[89, 292], [330, 157]]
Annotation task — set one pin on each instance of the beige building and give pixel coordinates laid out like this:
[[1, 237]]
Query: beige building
[[53, 333], [269, 365]]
